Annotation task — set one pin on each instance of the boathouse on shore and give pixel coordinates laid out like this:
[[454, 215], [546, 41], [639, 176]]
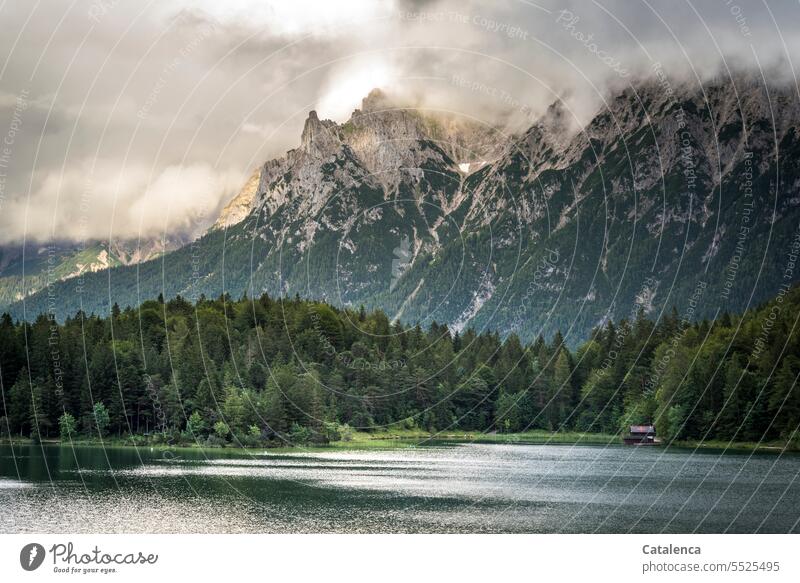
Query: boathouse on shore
[[640, 435]]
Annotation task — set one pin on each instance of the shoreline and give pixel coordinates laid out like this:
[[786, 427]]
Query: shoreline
[[412, 438]]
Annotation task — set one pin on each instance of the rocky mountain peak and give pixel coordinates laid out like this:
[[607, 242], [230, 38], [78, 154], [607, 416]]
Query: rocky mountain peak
[[392, 139], [320, 138], [657, 183], [375, 101], [556, 120], [382, 143], [239, 207]]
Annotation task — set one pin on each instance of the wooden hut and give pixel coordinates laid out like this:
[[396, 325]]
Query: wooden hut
[[640, 435]]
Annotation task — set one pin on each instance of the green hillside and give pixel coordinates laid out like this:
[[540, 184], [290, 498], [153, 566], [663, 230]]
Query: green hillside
[[268, 370]]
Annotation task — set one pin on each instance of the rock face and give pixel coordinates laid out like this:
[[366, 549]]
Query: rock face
[[241, 205], [24, 271], [383, 146], [669, 189]]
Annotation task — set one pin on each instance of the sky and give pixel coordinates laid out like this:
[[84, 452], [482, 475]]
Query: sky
[[127, 119]]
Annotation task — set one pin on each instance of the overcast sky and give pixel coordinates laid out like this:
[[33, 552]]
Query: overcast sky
[[126, 118]]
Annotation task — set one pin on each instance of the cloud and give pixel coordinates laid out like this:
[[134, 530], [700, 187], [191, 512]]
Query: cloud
[[203, 92], [103, 202], [351, 81], [298, 18]]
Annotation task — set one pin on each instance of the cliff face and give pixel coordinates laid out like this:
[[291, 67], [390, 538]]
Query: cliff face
[[432, 217], [24, 270], [382, 146], [240, 205]]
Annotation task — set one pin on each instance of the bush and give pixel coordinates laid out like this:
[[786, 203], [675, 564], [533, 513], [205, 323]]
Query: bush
[[299, 434], [331, 431], [248, 439], [186, 437], [101, 418], [221, 430], [67, 425], [137, 440], [169, 437], [196, 425], [214, 441]]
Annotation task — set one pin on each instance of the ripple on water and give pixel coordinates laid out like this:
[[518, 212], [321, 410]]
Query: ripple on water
[[468, 488]]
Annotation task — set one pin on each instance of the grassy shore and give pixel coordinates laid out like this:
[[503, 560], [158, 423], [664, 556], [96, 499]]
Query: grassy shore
[[400, 438], [415, 437], [394, 438], [529, 437]]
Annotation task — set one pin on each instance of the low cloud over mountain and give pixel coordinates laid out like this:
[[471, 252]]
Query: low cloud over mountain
[[165, 109]]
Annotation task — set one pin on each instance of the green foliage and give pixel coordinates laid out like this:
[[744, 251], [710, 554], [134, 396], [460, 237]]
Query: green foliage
[[299, 435], [101, 418], [305, 372], [67, 426], [331, 431], [196, 425], [222, 430]]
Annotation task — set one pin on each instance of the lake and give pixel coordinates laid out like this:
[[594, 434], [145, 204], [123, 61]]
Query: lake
[[433, 488]]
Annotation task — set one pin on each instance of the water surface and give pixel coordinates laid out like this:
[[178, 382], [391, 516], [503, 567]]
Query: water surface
[[441, 488]]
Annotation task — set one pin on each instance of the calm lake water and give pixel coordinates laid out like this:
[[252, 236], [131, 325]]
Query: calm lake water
[[455, 488]]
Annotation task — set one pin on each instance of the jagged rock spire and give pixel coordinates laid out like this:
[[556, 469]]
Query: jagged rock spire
[[320, 138]]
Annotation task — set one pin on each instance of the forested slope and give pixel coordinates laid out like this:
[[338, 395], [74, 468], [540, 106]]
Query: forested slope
[[254, 371]]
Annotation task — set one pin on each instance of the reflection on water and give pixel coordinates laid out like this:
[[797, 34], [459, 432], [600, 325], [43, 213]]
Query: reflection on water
[[457, 488]]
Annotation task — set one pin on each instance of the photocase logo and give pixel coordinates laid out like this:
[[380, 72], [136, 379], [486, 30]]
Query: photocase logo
[[401, 262], [31, 556]]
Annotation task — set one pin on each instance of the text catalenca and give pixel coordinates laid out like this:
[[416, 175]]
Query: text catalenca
[[669, 550]]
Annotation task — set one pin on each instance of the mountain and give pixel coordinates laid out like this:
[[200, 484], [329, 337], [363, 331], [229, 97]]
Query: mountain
[[26, 269], [669, 193]]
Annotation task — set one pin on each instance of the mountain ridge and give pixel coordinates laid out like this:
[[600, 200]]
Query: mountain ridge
[[554, 230], [26, 269]]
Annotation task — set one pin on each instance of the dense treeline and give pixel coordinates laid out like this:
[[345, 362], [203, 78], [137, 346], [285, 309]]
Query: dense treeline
[[261, 371]]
